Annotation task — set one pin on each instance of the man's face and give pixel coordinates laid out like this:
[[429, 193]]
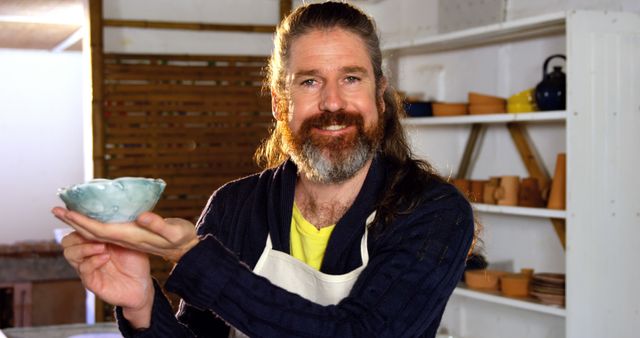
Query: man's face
[[333, 121]]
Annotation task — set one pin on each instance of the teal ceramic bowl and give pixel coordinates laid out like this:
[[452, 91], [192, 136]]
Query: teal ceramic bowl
[[113, 201]]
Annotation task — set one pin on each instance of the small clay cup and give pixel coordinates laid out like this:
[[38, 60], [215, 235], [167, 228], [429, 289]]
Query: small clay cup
[[515, 285], [507, 192], [530, 194], [488, 196], [477, 190], [463, 185], [488, 280], [527, 272]]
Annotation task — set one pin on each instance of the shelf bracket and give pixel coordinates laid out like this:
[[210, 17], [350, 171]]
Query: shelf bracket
[[561, 231], [529, 156], [535, 168], [465, 162]]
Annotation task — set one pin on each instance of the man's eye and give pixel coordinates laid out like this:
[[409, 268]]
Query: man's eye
[[352, 79], [308, 82]]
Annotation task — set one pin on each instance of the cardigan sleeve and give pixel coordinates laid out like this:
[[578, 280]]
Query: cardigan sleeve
[[413, 268], [189, 321]]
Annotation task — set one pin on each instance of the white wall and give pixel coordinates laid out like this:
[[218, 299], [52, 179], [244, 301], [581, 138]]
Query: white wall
[[524, 8], [159, 41], [40, 138]]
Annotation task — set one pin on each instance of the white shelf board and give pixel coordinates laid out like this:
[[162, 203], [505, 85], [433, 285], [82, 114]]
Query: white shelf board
[[559, 115], [520, 211], [548, 24], [496, 298]]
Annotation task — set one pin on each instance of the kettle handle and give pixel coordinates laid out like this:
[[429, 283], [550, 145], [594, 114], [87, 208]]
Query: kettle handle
[[546, 63]]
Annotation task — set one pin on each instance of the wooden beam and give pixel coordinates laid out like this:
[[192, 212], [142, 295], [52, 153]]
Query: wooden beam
[[285, 8], [465, 162], [529, 156], [561, 231], [69, 41], [96, 45], [185, 57], [195, 26], [534, 166], [96, 50]]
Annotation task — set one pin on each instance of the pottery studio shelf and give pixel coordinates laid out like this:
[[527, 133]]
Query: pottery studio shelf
[[520, 303], [548, 24], [487, 118], [520, 211]]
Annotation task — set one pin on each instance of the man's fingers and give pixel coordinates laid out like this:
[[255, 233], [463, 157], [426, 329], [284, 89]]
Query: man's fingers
[[78, 253], [82, 232], [60, 213], [91, 264], [156, 224], [72, 238]]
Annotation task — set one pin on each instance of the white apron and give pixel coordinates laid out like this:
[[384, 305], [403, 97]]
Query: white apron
[[296, 276]]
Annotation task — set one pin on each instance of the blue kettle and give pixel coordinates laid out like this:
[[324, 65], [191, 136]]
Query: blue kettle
[[551, 91]]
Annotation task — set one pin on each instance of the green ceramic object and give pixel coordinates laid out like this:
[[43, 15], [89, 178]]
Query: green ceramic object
[[113, 201]]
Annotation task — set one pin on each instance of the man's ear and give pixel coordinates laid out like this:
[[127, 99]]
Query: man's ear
[[275, 105], [380, 94]]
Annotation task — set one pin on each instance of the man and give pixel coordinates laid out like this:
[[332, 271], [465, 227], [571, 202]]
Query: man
[[344, 235]]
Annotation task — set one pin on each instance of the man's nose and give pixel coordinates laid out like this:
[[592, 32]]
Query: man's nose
[[331, 98]]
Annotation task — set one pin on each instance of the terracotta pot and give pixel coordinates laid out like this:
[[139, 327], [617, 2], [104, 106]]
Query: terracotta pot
[[527, 272], [449, 109], [488, 196], [484, 99], [507, 192], [463, 185], [477, 190], [515, 285], [476, 109], [557, 195], [488, 280], [530, 194]]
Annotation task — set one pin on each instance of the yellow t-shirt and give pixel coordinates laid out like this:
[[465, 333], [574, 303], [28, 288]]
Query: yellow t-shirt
[[308, 244]]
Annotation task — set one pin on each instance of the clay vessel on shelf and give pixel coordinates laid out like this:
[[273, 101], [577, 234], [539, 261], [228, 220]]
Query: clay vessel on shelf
[[507, 192], [486, 280], [557, 195], [530, 194], [490, 189], [477, 190], [515, 285], [463, 185]]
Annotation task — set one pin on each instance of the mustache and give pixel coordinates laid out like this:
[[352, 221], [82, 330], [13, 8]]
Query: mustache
[[340, 117]]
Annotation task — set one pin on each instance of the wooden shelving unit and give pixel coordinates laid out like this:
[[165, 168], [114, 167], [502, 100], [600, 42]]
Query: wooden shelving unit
[[520, 303], [520, 211], [599, 128], [487, 119]]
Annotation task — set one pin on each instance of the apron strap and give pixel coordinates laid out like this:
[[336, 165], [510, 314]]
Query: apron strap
[[364, 251]]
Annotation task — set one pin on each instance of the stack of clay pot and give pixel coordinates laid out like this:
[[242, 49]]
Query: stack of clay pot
[[512, 191], [509, 284], [503, 190], [486, 104]]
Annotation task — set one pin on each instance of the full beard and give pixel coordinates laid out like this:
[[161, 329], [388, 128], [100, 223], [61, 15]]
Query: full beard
[[332, 159]]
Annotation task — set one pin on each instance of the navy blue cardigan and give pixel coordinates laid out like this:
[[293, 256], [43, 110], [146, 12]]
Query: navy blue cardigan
[[414, 265]]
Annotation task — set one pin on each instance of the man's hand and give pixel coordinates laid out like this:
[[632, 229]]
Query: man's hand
[[170, 238], [117, 275]]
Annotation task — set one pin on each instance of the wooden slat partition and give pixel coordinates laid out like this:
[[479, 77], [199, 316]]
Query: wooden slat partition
[[196, 26], [193, 121]]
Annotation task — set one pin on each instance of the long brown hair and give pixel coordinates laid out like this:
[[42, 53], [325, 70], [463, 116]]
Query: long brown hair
[[407, 176]]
